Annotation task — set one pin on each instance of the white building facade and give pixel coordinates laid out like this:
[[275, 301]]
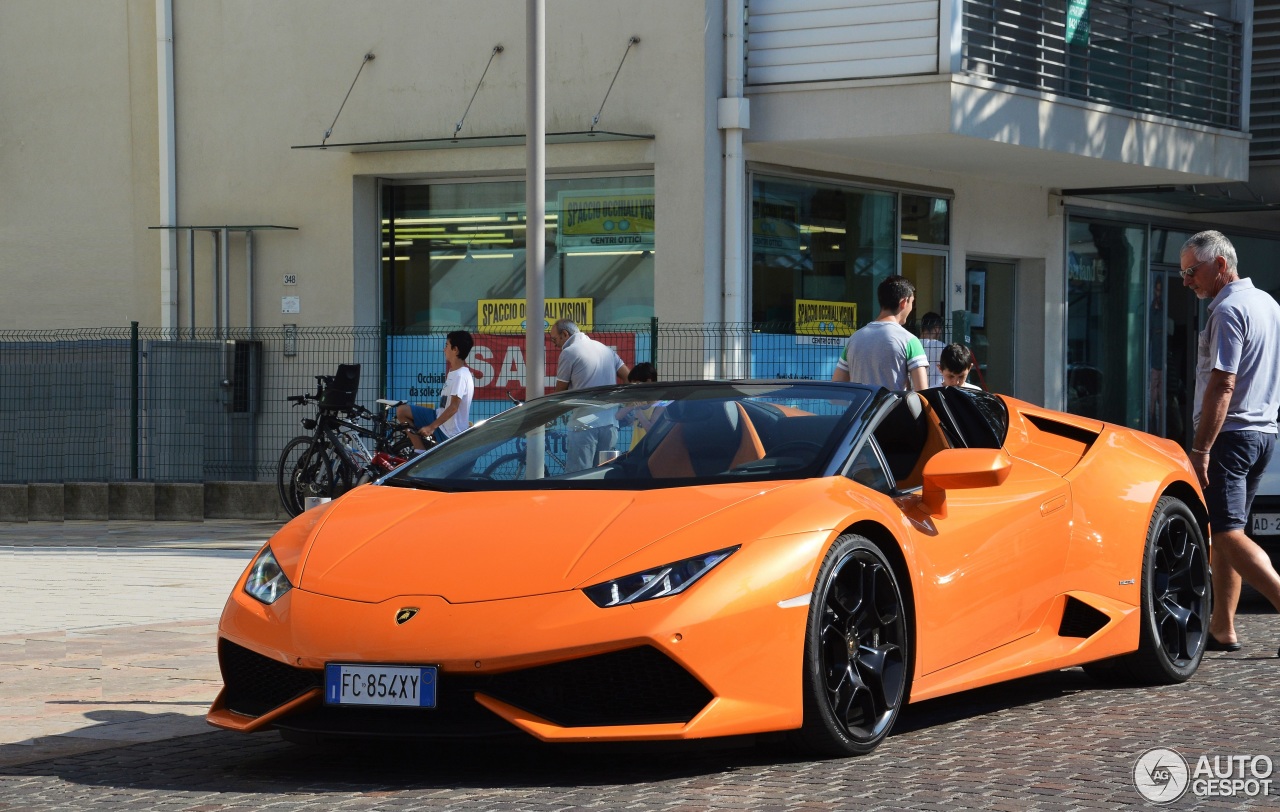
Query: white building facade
[[1033, 170]]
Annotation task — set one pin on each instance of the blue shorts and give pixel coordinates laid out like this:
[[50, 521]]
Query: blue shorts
[[1236, 463], [424, 416]]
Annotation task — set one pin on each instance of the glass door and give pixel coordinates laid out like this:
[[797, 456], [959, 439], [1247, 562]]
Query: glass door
[[990, 287], [928, 272], [1173, 316]]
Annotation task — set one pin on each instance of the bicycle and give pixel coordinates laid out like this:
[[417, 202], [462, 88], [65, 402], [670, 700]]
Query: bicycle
[[511, 466], [336, 456]]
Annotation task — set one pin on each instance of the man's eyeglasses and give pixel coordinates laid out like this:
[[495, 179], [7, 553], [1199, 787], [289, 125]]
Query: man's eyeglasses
[[1187, 273]]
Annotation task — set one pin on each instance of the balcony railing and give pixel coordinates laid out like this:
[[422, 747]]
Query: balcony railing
[[1145, 55]]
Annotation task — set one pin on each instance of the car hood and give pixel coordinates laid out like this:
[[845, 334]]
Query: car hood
[[380, 542]]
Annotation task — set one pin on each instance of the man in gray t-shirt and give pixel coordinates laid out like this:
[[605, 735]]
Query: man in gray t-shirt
[[884, 353], [585, 362], [1236, 403]]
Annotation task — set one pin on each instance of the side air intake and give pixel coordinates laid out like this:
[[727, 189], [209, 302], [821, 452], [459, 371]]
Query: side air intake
[[1080, 619]]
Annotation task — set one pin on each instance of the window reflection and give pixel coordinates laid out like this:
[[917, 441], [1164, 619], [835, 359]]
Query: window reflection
[[448, 246]]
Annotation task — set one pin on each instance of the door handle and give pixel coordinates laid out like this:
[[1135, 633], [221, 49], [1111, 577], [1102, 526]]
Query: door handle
[[1053, 505]]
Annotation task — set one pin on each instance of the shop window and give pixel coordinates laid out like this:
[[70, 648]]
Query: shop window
[[450, 248], [815, 242], [926, 220], [1107, 300]]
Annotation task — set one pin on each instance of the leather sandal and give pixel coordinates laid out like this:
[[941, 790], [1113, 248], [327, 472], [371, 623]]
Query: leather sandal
[[1214, 644]]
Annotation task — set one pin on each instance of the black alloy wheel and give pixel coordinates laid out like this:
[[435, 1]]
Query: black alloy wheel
[[857, 652], [1176, 600]]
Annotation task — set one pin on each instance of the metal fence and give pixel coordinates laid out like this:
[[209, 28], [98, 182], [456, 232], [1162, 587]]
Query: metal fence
[[155, 405]]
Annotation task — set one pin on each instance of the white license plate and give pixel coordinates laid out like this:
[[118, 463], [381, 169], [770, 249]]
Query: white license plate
[[1266, 524], [412, 686]]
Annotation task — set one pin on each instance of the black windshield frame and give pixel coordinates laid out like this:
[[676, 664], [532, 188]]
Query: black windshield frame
[[830, 411]]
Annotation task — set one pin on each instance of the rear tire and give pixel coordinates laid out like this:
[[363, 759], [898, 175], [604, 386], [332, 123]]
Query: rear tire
[[1176, 599], [857, 652]]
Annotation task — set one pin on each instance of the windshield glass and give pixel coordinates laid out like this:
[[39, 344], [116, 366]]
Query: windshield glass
[[646, 436]]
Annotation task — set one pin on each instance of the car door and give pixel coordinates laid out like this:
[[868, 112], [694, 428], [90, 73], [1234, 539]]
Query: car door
[[993, 563]]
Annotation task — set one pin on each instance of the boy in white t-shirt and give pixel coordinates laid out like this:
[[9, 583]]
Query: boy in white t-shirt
[[454, 414]]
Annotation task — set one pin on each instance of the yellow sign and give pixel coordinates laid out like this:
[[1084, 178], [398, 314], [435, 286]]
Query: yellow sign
[[605, 221], [508, 315], [818, 318]]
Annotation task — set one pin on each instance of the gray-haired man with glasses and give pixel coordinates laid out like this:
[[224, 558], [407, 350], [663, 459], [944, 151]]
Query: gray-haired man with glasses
[[1236, 403]]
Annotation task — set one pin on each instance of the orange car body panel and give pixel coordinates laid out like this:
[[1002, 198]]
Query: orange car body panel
[[497, 576]]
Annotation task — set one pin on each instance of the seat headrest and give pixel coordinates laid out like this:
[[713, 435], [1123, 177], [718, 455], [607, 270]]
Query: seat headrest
[[914, 403], [696, 413]]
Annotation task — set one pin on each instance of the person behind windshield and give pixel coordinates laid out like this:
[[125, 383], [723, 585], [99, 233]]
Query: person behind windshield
[[641, 415], [585, 362]]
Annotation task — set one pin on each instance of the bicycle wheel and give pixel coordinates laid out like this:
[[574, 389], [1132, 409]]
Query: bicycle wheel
[[506, 469], [294, 450], [318, 474], [398, 445], [343, 478], [306, 469]]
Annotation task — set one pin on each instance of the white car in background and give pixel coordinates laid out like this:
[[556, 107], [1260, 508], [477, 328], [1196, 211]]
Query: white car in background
[[1264, 515]]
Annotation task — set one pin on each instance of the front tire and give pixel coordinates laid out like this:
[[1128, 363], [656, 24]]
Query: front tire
[[857, 652], [1176, 600]]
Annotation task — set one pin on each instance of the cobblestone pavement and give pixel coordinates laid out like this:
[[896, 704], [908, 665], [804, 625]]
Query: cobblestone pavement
[[127, 700], [107, 630]]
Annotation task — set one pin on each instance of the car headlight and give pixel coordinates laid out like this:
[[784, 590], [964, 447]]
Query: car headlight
[[266, 581], [659, 582]]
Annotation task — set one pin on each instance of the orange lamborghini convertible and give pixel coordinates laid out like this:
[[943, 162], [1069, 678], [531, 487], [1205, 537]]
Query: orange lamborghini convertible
[[772, 556]]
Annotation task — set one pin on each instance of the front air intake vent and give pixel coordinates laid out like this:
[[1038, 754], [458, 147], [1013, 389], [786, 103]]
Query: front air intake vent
[[256, 684], [638, 686]]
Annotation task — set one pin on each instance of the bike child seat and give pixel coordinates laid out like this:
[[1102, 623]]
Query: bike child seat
[[340, 393]]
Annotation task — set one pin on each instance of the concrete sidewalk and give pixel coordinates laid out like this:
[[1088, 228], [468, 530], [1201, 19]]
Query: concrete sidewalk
[[107, 629]]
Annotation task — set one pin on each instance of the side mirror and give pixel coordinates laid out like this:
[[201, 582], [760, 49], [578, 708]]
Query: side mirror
[[957, 468]]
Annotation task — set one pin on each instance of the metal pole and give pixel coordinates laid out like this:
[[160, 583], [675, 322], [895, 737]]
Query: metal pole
[[535, 271], [248, 274], [217, 287], [734, 117], [191, 282], [168, 180], [133, 399], [535, 217], [384, 355], [653, 340], [226, 282]]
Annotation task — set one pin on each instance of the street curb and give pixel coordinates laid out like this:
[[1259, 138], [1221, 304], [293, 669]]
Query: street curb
[[154, 501]]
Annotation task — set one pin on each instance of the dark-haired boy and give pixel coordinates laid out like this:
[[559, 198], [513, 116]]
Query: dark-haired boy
[[955, 363], [454, 414]]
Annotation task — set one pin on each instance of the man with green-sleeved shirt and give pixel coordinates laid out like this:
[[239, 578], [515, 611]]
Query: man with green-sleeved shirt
[[884, 353]]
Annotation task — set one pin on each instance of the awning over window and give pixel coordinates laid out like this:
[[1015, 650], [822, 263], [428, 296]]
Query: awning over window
[[473, 141]]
